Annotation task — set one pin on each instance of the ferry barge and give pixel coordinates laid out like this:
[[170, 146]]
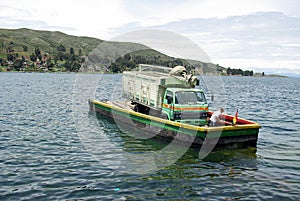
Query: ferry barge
[[169, 104]]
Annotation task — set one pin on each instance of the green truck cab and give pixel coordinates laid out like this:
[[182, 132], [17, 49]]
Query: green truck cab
[[185, 105]]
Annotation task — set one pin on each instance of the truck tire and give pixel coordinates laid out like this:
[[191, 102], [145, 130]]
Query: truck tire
[[135, 108], [141, 109]]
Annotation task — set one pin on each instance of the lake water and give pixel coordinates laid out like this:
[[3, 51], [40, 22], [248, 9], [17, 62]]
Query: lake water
[[52, 148]]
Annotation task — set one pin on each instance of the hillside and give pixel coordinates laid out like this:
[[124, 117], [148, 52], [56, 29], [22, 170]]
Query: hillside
[[47, 41], [33, 50]]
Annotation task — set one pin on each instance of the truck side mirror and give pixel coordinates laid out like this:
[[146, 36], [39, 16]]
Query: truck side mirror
[[212, 98]]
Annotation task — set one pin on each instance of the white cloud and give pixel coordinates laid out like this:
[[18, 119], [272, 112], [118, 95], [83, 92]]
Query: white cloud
[[7, 11], [161, 12], [264, 39], [99, 17], [91, 17]]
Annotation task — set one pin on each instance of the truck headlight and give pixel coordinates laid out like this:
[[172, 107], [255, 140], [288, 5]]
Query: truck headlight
[[203, 115], [177, 115]]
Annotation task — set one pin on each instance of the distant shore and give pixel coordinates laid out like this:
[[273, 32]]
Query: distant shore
[[67, 72]]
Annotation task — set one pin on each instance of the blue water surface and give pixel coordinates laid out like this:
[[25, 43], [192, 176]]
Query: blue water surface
[[45, 151]]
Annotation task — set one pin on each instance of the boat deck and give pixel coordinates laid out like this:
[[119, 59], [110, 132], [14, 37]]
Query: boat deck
[[126, 105]]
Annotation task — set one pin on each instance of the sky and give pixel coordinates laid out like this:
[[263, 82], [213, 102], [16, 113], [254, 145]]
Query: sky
[[261, 35]]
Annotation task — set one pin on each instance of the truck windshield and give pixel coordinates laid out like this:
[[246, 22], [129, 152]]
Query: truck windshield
[[189, 97]]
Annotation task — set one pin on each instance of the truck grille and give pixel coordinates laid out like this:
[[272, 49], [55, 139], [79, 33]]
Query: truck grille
[[190, 115]]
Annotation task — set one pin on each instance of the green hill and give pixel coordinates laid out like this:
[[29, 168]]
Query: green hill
[[33, 50], [47, 41]]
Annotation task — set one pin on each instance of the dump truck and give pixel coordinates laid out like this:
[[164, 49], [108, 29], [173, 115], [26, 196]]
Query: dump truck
[[168, 93]]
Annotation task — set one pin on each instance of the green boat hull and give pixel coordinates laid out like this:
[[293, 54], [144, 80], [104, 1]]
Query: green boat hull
[[245, 132]]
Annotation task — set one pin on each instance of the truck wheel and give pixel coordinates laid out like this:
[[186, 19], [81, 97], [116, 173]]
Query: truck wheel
[[135, 108], [138, 108]]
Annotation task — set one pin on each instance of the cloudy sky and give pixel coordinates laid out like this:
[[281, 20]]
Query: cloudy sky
[[263, 35]]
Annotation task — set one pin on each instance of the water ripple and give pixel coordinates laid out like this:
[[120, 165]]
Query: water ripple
[[42, 157]]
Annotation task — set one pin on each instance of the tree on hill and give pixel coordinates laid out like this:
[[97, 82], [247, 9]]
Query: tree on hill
[[80, 52], [10, 49], [10, 57], [248, 73], [33, 57], [239, 71], [72, 52], [25, 48], [18, 64], [72, 66], [61, 48]]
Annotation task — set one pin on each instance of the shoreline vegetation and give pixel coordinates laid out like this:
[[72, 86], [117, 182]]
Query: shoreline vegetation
[[68, 72], [26, 50]]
